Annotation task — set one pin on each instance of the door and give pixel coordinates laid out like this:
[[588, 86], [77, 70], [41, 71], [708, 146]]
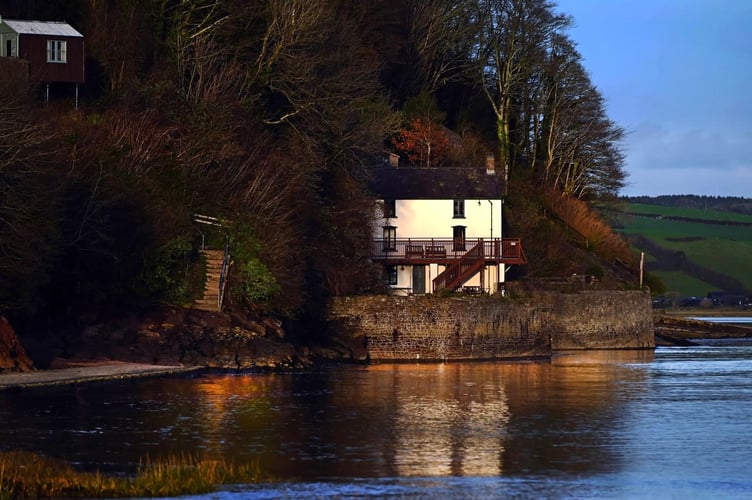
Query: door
[[458, 238], [419, 279], [8, 48]]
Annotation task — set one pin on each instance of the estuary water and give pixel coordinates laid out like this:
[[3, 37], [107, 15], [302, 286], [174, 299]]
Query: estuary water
[[670, 423]]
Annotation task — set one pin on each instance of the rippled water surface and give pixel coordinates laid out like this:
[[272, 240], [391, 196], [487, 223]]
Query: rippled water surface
[[674, 423]]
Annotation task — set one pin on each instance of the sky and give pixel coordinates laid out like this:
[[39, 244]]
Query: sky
[[677, 76]]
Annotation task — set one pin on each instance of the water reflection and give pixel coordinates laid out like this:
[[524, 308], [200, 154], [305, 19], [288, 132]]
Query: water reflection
[[458, 419], [668, 423], [449, 420]]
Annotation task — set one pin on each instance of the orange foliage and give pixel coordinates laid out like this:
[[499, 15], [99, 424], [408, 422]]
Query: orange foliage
[[425, 143], [585, 221]]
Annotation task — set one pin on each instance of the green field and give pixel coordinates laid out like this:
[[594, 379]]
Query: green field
[[682, 285], [694, 247]]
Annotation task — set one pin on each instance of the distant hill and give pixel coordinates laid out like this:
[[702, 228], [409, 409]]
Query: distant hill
[[695, 244], [732, 204]]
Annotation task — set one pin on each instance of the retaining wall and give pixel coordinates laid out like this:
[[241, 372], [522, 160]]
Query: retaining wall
[[428, 327]]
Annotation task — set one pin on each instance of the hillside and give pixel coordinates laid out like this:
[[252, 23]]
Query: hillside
[[267, 118], [693, 250]]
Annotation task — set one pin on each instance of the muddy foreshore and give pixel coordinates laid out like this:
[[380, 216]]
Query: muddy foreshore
[[672, 330]]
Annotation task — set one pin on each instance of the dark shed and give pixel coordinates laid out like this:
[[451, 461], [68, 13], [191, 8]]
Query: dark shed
[[54, 50]]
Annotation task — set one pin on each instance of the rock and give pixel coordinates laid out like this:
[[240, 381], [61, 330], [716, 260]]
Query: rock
[[13, 357], [670, 327], [191, 337]]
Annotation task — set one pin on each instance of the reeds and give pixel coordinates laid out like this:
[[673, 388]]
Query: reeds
[[30, 475], [581, 218]]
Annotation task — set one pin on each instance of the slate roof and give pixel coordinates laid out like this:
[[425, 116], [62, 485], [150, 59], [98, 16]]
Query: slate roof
[[42, 28], [443, 183]]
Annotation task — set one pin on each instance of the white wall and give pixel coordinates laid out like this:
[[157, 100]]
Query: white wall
[[422, 219], [434, 219]]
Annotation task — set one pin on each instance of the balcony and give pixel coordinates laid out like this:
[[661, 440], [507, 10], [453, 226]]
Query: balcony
[[414, 251]]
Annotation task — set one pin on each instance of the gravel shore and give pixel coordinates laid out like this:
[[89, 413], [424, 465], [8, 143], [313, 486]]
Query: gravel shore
[[94, 371]]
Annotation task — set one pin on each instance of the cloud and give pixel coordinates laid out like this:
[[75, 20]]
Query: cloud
[[645, 182], [660, 148], [709, 162], [675, 75]]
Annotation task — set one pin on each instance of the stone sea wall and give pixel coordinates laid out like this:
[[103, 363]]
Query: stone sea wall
[[490, 327]]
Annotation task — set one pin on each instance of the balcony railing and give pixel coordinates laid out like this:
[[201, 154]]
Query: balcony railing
[[443, 251]]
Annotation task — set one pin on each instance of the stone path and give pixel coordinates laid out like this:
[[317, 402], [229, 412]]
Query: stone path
[[87, 372]]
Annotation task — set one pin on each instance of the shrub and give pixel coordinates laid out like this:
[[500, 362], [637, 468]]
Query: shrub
[[170, 272], [250, 279], [654, 283], [254, 282]]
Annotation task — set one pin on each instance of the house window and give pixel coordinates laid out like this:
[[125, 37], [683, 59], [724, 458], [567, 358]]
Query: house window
[[390, 275], [459, 209], [57, 51], [390, 209], [458, 238], [390, 238]]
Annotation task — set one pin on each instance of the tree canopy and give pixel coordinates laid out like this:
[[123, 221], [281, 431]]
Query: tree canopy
[[267, 114]]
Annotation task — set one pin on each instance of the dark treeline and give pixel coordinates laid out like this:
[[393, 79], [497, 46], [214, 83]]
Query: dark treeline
[[267, 114], [721, 203]]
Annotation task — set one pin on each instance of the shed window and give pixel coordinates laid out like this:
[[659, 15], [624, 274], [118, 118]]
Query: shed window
[[57, 51]]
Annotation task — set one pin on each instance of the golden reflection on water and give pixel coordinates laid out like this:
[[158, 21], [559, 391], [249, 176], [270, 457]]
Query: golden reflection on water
[[453, 419], [432, 419], [455, 428], [216, 399]]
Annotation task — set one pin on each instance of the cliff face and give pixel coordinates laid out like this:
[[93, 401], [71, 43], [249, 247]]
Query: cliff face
[[13, 357]]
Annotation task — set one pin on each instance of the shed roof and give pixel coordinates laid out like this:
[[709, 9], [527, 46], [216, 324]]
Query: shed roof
[[443, 183], [57, 28]]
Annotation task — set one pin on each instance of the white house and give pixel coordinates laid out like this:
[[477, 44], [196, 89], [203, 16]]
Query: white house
[[440, 228]]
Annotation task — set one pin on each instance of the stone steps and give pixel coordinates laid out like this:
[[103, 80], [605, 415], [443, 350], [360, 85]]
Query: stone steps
[[210, 299]]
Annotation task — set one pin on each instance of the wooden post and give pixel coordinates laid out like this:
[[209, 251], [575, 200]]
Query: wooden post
[[642, 266]]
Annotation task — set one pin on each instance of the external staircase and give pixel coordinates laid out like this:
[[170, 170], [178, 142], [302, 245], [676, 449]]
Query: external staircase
[[457, 273], [213, 287]]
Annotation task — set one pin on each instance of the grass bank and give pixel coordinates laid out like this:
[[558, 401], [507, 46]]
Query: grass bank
[[30, 475], [693, 251]]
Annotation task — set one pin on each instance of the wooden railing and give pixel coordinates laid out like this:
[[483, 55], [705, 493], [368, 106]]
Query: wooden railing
[[223, 274], [443, 251]]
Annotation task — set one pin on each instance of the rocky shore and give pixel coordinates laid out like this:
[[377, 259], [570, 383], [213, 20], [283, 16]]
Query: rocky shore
[[175, 340], [672, 330], [172, 337]]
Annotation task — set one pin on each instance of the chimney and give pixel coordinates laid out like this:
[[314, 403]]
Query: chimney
[[393, 160], [490, 164]]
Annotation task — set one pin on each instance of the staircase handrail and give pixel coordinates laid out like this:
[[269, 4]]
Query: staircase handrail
[[223, 274]]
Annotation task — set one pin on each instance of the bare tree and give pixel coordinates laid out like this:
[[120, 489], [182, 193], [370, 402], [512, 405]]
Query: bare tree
[[28, 204], [547, 112], [510, 44]]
